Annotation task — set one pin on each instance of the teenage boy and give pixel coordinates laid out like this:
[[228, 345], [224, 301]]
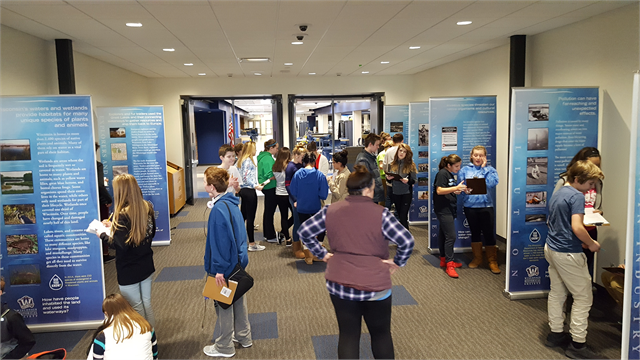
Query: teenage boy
[[568, 269], [228, 158], [367, 157]]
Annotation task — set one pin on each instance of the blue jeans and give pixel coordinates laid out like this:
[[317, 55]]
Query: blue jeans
[[296, 221], [139, 297]]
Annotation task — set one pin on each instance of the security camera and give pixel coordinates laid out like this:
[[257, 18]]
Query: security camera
[[300, 37], [303, 27]]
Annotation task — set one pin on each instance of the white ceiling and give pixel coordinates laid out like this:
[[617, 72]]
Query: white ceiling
[[344, 37]]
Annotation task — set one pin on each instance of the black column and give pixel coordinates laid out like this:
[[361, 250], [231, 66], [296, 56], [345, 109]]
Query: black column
[[66, 75], [516, 68]]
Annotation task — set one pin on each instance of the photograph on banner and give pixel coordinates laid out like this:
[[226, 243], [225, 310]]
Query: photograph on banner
[[396, 120], [548, 127], [48, 198], [132, 142], [419, 143], [456, 126]]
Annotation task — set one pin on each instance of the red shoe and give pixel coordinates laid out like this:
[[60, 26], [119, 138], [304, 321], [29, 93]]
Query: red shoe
[[443, 261], [456, 264], [451, 271]]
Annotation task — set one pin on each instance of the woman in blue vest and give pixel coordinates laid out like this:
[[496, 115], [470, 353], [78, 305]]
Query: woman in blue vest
[[359, 270]]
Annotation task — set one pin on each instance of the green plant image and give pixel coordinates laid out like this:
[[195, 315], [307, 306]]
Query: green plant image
[[19, 214]]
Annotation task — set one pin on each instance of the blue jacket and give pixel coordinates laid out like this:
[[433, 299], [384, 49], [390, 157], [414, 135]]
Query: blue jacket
[[308, 187], [220, 254], [491, 178]]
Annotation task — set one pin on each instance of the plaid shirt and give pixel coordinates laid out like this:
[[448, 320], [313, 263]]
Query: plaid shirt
[[392, 231]]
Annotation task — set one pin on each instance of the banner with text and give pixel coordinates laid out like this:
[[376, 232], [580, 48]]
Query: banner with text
[[132, 142], [396, 120], [52, 267], [631, 307], [456, 125], [419, 143], [548, 127]]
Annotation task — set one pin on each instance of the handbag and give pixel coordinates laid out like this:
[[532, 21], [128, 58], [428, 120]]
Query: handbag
[[239, 275]]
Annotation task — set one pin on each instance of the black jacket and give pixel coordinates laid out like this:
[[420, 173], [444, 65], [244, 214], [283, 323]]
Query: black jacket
[[13, 327], [105, 197]]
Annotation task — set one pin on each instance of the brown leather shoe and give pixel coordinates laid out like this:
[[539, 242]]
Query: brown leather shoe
[[297, 250], [492, 256], [476, 247], [308, 257]]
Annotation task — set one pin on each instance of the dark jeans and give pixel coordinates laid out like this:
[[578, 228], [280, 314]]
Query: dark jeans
[[270, 204], [104, 215], [447, 234], [403, 203], [296, 220], [481, 221], [285, 220], [388, 199], [590, 256], [377, 316], [248, 209], [305, 217]]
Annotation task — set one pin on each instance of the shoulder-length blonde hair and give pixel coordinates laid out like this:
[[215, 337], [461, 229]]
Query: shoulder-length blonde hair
[[128, 201], [122, 317], [247, 153], [407, 165]]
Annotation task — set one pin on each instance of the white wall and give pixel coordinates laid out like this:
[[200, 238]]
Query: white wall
[[600, 51], [486, 73], [167, 92]]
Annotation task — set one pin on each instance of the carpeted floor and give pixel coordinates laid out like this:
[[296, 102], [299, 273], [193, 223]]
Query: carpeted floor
[[434, 317]]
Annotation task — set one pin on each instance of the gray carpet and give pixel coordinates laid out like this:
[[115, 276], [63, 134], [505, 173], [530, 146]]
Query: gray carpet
[[467, 318]]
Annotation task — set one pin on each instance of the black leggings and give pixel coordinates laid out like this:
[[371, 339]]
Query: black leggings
[[248, 209], [270, 204], [285, 221], [403, 204], [447, 234], [305, 217], [481, 221], [377, 316]]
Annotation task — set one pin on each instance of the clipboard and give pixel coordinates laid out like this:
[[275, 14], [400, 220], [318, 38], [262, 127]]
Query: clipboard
[[394, 176], [614, 269], [222, 294], [478, 186]]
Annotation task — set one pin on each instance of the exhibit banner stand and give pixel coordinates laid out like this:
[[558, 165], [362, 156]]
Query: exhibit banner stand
[[631, 305], [548, 127], [132, 142], [419, 142], [396, 120], [52, 267], [456, 125]]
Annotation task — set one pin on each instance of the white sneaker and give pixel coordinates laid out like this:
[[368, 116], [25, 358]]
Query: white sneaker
[[210, 350], [256, 247]]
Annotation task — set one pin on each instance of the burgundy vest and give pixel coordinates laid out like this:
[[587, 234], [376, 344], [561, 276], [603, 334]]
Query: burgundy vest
[[354, 230]]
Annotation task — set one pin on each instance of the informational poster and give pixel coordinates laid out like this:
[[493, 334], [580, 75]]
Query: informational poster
[[456, 125], [132, 142], [548, 127], [52, 267], [631, 310], [419, 143], [396, 120]]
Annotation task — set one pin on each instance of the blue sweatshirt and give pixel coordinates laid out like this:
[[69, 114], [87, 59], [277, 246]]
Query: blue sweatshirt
[[491, 178], [308, 187], [220, 254]]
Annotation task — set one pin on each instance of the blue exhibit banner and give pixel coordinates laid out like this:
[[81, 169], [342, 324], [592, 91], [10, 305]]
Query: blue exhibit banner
[[132, 142], [419, 143], [631, 305], [548, 127], [457, 124], [51, 265], [396, 120]]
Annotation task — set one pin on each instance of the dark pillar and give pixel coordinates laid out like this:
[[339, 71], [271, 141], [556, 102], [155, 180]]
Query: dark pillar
[[516, 68], [66, 75]]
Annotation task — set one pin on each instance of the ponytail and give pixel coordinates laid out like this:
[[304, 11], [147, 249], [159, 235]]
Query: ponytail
[[449, 160]]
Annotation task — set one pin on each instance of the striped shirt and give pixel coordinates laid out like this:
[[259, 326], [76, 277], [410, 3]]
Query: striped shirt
[[392, 231]]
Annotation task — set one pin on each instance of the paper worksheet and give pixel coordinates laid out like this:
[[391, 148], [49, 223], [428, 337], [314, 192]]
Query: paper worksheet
[[593, 218], [97, 227]]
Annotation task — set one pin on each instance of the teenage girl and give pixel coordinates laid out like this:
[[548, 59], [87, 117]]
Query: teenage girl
[[282, 196], [338, 182], [445, 206], [402, 189], [592, 198], [479, 209], [249, 205]]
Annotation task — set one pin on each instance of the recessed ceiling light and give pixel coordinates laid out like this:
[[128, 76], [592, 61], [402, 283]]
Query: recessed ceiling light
[[202, 74], [365, 72], [257, 74], [134, 24], [188, 64], [312, 73], [384, 62], [414, 47], [297, 43], [169, 49], [288, 64], [464, 22], [254, 59]]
